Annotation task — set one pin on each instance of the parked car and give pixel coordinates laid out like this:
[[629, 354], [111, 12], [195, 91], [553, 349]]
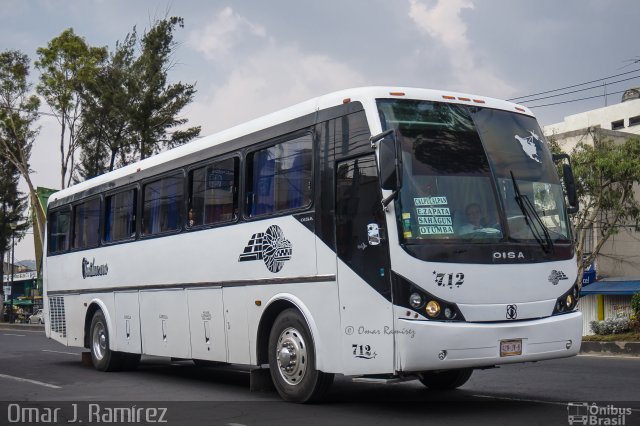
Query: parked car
[[37, 318]]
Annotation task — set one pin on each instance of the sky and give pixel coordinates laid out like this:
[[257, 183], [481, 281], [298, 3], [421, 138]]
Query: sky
[[252, 57]]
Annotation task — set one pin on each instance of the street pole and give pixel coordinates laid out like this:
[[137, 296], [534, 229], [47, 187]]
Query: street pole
[[13, 253]]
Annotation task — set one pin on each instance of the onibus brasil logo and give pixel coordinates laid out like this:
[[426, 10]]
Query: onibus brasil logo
[[270, 246]]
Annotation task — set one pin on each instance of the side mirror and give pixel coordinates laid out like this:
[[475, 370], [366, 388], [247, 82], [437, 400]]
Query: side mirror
[[390, 160], [569, 182], [570, 185]]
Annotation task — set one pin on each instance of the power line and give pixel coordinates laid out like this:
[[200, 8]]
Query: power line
[[580, 90], [572, 86], [576, 100]]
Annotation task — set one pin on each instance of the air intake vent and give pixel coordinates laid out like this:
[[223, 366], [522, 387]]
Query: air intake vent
[[56, 315]]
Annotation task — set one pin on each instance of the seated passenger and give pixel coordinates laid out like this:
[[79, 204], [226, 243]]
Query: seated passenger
[[475, 219]]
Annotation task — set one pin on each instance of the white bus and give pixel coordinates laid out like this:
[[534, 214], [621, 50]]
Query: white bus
[[300, 243]]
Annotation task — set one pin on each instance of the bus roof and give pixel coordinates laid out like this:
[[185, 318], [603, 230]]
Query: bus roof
[[364, 95]]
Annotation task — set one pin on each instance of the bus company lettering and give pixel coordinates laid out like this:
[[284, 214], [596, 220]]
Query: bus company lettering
[[90, 269], [508, 255]]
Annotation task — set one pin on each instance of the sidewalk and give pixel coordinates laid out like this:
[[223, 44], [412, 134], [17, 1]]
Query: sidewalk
[[611, 348]]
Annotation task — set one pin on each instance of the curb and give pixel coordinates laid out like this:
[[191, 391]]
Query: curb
[[25, 327], [611, 348]]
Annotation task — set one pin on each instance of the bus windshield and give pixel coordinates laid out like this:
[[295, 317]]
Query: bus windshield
[[460, 164]]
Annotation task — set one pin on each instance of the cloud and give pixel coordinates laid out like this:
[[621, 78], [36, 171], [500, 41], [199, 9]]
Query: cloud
[[261, 78], [443, 23], [267, 81], [220, 36]]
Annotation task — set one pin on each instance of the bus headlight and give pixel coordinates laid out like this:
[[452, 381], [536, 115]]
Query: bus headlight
[[432, 308], [568, 301], [420, 304], [415, 300]]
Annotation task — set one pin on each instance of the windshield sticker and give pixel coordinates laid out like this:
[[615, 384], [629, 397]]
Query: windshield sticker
[[529, 145], [433, 220], [406, 225], [430, 201]]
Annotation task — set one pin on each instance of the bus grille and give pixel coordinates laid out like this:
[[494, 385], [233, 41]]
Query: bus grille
[[56, 315]]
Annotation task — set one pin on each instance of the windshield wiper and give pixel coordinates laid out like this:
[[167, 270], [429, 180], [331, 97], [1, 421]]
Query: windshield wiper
[[530, 216]]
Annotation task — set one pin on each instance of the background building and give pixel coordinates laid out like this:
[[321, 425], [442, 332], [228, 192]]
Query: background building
[[617, 267]]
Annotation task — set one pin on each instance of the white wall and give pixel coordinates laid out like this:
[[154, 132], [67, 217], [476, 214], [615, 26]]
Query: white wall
[[602, 117]]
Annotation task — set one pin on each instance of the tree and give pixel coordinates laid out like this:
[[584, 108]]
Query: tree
[[156, 104], [12, 207], [131, 110], [606, 173], [105, 139], [67, 64], [18, 114]]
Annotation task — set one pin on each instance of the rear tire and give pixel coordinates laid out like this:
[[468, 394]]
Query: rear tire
[[445, 380], [292, 361], [103, 358]]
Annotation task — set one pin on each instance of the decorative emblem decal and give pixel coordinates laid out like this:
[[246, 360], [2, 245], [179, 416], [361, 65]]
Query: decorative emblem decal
[[556, 276], [270, 246], [512, 312], [529, 146]]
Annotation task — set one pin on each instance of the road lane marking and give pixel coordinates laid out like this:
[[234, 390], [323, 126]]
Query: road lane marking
[[19, 335], [35, 382], [60, 352]]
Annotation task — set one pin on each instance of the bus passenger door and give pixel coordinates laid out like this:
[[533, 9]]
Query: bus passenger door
[[363, 269]]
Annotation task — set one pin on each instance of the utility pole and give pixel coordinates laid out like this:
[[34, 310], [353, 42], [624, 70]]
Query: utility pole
[[13, 254]]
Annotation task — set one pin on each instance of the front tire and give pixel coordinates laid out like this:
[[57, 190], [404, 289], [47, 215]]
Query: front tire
[[445, 380], [102, 358], [292, 360]]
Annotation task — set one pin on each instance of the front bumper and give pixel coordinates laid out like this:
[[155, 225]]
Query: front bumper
[[466, 345]]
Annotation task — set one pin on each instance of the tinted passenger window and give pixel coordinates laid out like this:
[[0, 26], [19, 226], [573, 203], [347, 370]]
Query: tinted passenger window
[[86, 224], [213, 193], [120, 216], [58, 227], [279, 177], [162, 205]]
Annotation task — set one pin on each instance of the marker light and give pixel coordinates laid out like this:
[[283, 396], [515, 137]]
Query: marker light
[[432, 308], [415, 300], [449, 313]]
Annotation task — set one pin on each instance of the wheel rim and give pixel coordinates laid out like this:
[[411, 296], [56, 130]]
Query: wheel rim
[[99, 341], [291, 355]]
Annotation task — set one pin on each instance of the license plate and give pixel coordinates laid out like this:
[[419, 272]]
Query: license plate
[[511, 347]]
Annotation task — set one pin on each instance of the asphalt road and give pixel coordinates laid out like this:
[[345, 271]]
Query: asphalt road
[[40, 373]]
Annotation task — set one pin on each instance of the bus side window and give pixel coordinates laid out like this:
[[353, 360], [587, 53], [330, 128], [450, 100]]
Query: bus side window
[[120, 216], [59, 231], [279, 177], [86, 224], [162, 205], [213, 195]]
